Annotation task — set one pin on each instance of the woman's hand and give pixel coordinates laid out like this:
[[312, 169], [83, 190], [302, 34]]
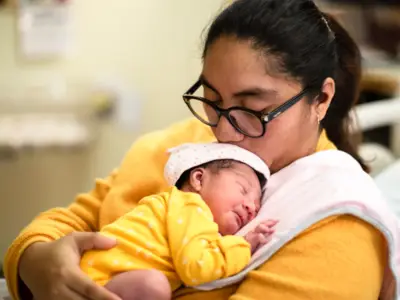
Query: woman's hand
[[51, 270]]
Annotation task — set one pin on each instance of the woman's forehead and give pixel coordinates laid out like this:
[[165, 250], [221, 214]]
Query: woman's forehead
[[248, 90], [233, 66], [228, 54]]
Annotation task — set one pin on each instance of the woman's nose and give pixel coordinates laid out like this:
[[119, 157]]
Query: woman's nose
[[226, 133]]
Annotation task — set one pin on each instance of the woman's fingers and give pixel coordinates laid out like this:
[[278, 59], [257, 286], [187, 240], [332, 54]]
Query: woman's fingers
[[85, 287], [88, 240], [68, 294], [51, 270]]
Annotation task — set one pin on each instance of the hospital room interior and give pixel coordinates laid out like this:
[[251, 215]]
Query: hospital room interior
[[81, 80]]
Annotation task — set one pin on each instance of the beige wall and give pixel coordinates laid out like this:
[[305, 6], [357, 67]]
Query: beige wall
[[151, 45]]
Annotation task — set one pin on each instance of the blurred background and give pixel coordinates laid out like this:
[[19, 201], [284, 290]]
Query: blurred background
[[80, 80]]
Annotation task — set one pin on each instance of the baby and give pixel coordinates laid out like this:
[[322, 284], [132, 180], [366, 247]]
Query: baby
[[186, 234]]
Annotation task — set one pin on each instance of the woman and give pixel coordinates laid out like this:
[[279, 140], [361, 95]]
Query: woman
[[257, 55]]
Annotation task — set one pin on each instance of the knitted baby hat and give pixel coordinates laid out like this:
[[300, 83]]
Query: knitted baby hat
[[188, 156]]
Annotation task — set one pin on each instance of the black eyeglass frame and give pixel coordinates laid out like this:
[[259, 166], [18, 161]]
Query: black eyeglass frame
[[264, 118]]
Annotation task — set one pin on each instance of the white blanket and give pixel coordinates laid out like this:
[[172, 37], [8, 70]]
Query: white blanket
[[388, 182]]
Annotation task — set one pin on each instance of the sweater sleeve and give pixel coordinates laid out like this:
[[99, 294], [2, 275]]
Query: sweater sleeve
[[340, 258], [51, 225], [140, 174]]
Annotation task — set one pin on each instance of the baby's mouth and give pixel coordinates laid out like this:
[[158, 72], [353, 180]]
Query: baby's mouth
[[239, 220]]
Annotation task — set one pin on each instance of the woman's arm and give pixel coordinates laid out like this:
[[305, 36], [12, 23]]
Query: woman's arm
[[81, 216], [56, 223], [140, 174], [341, 258]]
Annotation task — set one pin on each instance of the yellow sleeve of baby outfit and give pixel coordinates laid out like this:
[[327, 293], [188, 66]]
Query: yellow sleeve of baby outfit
[[140, 235], [200, 254]]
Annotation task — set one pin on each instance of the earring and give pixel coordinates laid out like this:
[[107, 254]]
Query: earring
[[318, 119]]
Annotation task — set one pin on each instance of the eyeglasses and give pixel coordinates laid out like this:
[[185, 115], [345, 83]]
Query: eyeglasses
[[246, 121]]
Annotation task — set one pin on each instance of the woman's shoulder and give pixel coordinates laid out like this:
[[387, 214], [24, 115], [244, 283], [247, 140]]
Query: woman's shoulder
[[330, 175], [187, 131], [347, 253], [352, 224], [354, 249], [148, 154]]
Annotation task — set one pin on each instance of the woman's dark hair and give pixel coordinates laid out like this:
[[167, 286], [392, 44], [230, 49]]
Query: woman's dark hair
[[306, 44]]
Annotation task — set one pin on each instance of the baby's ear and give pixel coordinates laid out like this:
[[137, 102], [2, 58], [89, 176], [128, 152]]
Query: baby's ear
[[196, 179]]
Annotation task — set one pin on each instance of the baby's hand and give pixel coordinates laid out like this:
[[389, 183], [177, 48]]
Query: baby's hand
[[261, 234]]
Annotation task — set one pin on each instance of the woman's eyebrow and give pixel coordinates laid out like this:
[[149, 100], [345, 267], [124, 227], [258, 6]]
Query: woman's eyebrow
[[207, 84], [256, 92], [248, 92]]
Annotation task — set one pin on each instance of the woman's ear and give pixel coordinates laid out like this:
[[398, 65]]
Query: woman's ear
[[196, 179], [327, 94]]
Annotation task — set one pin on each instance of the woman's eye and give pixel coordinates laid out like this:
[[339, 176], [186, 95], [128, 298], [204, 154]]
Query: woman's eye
[[210, 93], [261, 105], [212, 98], [261, 108], [216, 102]]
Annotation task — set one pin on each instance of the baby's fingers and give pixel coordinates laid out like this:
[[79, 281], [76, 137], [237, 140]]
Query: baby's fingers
[[264, 239], [270, 223], [264, 229]]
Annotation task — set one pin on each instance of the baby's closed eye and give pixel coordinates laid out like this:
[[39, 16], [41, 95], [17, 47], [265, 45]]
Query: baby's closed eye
[[244, 191]]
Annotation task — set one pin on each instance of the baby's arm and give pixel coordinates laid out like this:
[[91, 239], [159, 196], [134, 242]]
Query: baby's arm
[[200, 254]]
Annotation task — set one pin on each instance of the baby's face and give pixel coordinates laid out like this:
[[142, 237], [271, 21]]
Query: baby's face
[[233, 195]]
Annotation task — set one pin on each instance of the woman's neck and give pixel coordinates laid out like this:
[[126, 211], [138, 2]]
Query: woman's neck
[[314, 144]]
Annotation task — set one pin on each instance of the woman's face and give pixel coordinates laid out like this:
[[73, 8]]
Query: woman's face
[[235, 74]]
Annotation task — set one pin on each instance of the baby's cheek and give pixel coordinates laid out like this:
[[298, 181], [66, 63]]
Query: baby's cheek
[[229, 226]]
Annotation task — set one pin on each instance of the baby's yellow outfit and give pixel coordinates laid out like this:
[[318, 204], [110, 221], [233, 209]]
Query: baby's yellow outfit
[[172, 232]]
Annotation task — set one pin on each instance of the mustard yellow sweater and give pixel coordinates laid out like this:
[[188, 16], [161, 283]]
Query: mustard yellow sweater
[[340, 258]]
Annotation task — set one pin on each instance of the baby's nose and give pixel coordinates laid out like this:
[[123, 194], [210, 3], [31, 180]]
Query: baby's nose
[[251, 210]]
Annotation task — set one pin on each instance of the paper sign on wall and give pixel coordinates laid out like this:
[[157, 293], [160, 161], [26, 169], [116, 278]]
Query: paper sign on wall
[[45, 28]]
